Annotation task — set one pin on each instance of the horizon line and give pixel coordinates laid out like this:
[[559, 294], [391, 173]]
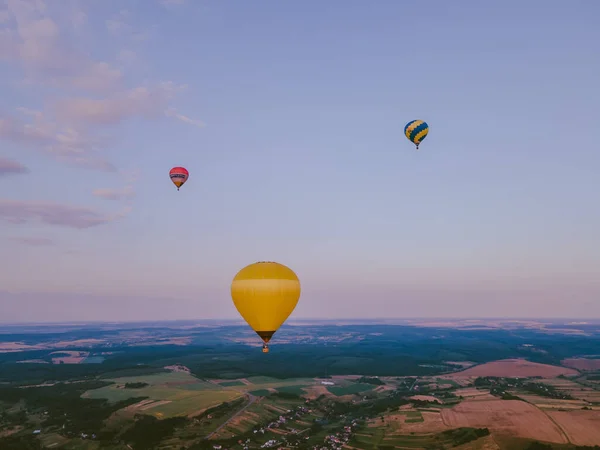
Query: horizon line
[[309, 319]]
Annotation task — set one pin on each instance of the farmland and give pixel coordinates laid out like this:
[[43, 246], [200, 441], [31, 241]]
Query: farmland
[[515, 368], [575, 389], [582, 364], [393, 386], [580, 427], [510, 417], [349, 389], [170, 394]]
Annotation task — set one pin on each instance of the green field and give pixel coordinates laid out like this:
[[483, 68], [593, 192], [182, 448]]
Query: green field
[[412, 415], [231, 383], [295, 389], [268, 409], [263, 380], [93, 360], [368, 438], [269, 382], [444, 382], [354, 388], [261, 392], [184, 393]]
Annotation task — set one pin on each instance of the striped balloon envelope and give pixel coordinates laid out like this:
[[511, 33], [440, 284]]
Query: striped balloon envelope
[[416, 131], [179, 176], [265, 294]]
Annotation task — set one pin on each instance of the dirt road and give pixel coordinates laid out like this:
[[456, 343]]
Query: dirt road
[[251, 400]]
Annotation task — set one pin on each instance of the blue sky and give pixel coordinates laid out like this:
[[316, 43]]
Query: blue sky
[[289, 117]]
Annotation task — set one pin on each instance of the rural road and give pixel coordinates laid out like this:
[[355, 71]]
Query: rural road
[[251, 399]]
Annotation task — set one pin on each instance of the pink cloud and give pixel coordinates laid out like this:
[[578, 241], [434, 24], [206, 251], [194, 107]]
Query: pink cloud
[[37, 46], [114, 194], [69, 129], [21, 212], [65, 143], [147, 102], [10, 167], [33, 241]]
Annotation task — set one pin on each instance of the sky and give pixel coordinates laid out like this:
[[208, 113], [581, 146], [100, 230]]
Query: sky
[[289, 117]]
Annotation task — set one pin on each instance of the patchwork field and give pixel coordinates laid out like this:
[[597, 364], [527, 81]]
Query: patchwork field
[[350, 389], [474, 394], [169, 394], [370, 437], [550, 403], [260, 412], [231, 383], [514, 368], [261, 382], [410, 421], [582, 363], [575, 390], [486, 443], [426, 398], [68, 357], [510, 417], [309, 387], [581, 427]]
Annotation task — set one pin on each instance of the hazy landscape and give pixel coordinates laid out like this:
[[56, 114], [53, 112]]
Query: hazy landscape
[[299, 225], [412, 384]]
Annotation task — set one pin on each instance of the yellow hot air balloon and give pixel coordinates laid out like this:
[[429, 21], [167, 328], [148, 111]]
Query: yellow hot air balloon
[[265, 294]]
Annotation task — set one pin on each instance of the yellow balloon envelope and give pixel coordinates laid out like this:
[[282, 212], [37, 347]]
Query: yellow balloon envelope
[[265, 294]]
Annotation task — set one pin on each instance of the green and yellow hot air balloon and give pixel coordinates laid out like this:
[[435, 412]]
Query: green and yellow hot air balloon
[[265, 294], [416, 131]]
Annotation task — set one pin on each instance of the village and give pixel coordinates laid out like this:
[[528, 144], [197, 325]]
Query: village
[[294, 437]]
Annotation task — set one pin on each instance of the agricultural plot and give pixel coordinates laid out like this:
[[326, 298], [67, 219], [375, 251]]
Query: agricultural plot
[[259, 413], [514, 368], [268, 382], [410, 421], [372, 438], [51, 440], [169, 394], [576, 390], [261, 392], [509, 417], [68, 357], [350, 389], [93, 360], [582, 427], [297, 389], [550, 403], [472, 394], [231, 383], [446, 382], [583, 364], [413, 417]]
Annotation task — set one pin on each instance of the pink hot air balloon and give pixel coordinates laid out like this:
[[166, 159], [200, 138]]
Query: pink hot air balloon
[[179, 176]]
